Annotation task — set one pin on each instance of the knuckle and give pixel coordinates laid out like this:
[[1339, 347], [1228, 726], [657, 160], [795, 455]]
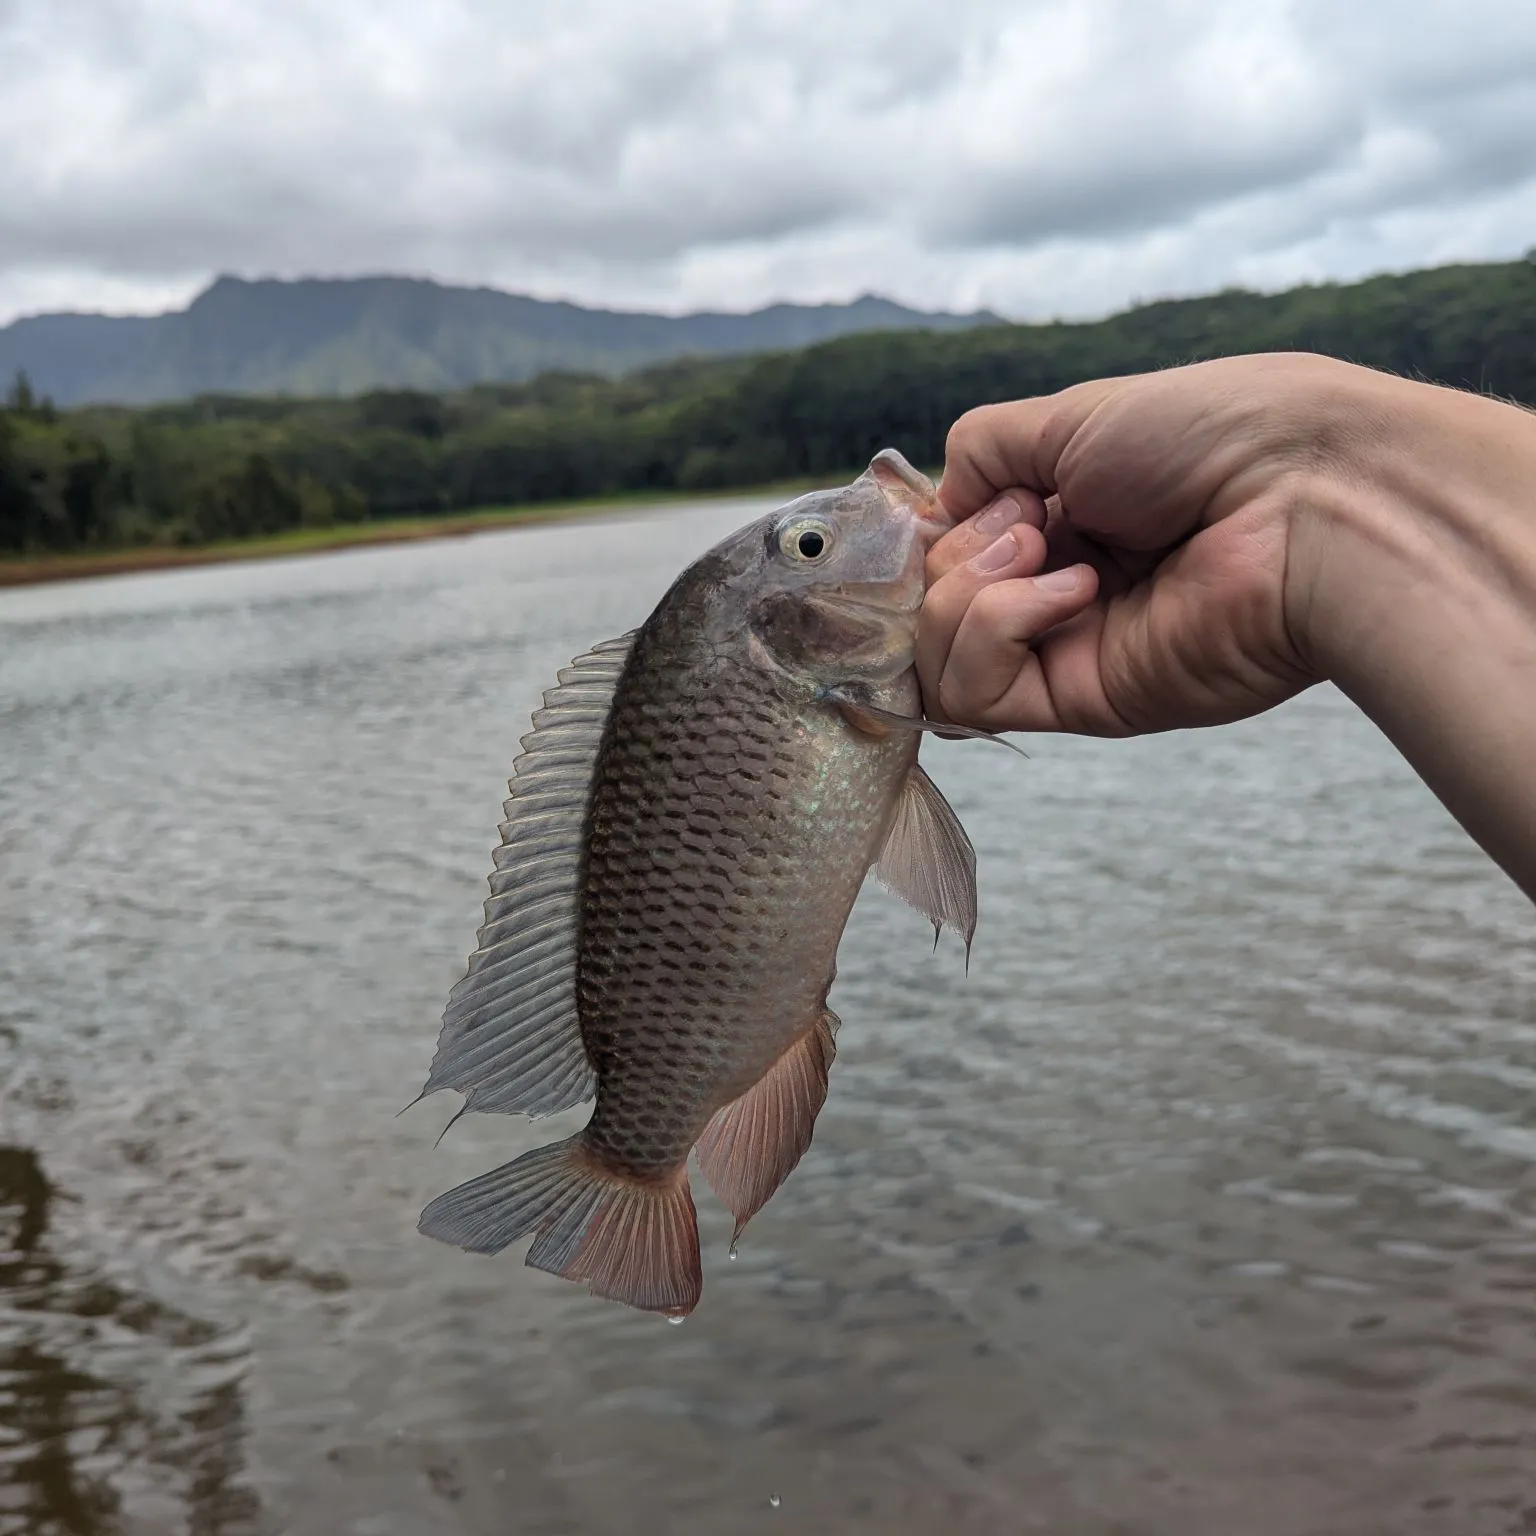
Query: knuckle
[[947, 553], [967, 432], [951, 697], [995, 607], [947, 599]]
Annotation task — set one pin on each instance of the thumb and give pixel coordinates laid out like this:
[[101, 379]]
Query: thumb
[[992, 675]]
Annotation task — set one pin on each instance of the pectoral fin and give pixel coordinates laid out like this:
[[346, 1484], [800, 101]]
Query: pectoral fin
[[928, 860], [874, 721]]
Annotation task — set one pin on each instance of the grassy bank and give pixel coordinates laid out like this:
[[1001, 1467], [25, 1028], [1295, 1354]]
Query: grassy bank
[[27, 570]]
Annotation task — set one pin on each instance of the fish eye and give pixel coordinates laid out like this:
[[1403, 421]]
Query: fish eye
[[807, 540]]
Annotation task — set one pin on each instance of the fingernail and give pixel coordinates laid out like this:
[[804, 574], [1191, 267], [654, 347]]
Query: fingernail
[[1002, 513], [1060, 581], [995, 556]]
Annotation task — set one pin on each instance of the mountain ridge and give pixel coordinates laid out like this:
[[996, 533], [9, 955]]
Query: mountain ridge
[[221, 467], [344, 336]]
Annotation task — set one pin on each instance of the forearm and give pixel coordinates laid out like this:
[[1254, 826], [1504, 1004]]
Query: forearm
[[1416, 565]]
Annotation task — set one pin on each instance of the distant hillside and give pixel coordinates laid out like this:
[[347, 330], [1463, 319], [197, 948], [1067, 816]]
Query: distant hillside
[[344, 336], [235, 466]]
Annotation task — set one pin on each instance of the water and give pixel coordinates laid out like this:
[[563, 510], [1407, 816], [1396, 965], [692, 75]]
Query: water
[[1207, 1202]]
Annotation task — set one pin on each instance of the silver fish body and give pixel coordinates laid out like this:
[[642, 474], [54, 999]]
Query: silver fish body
[[687, 832]]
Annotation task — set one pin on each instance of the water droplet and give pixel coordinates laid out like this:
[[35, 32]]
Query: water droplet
[[677, 1322], [499, 1475], [732, 1254], [773, 1501]]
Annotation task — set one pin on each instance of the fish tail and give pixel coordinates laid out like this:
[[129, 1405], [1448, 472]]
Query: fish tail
[[631, 1240]]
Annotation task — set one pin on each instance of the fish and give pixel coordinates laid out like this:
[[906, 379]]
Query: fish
[[688, 826]]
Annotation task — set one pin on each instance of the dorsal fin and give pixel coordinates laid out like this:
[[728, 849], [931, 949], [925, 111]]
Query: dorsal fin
[[511, 1039]]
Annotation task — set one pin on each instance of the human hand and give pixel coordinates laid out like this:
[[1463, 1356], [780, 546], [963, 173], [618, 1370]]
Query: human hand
[[1163, 584], [1223, 535]]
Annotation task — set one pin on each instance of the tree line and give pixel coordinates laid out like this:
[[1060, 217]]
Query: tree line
[[224, 467]]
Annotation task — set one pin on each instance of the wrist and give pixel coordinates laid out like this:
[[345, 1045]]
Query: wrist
[[1419, 502], [1411, 584]]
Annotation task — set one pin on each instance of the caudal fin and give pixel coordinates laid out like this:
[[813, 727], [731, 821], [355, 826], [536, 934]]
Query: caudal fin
[[630, 1241]]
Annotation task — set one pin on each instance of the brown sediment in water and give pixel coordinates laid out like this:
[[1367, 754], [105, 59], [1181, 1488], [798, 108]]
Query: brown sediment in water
[[30, 570], [27, 572]]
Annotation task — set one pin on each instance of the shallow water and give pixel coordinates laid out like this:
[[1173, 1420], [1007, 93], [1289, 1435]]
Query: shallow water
[[1205, 1203]]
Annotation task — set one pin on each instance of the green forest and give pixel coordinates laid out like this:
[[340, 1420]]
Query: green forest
[[226, 467]]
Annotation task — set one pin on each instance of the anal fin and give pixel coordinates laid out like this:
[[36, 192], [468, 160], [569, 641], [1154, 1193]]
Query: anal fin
[[752, 1145], [928, 860]]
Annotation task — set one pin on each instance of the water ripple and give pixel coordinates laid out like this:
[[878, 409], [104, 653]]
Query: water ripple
[[1203, 1202]]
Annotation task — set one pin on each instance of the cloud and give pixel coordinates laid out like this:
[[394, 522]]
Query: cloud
[[1054, 157]]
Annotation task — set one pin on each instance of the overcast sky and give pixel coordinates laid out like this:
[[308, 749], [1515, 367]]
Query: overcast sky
[[1039, 157]]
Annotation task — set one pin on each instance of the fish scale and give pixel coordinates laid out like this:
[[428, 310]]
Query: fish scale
[[686, 832], [666, 1018]]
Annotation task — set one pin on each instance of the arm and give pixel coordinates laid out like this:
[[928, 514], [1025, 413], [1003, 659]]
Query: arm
[[1414, 580], [1226, 534]]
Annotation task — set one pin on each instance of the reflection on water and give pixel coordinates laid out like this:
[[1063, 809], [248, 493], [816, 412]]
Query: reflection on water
[[1206, 1202], [80, 1424]]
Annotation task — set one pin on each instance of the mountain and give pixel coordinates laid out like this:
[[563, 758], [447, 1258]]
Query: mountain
[[237, 466], [343, 336]]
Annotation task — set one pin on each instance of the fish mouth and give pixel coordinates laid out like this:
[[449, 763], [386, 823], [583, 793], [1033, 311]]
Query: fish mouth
[[931, 521]]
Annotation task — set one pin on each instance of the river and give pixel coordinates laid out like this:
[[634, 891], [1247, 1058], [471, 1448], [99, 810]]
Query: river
[[1204, 1203]]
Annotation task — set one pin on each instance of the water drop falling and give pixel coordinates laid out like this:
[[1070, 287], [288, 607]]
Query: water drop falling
[[676, 1322], [773, 1501], [732, 1254]]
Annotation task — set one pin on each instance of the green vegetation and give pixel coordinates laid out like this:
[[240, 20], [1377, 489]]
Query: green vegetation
[[220, 467]]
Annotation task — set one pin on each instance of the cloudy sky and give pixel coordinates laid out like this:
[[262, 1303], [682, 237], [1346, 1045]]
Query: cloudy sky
[[1040, 157]]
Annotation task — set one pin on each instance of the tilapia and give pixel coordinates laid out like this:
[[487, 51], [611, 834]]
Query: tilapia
[[688, 826]]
